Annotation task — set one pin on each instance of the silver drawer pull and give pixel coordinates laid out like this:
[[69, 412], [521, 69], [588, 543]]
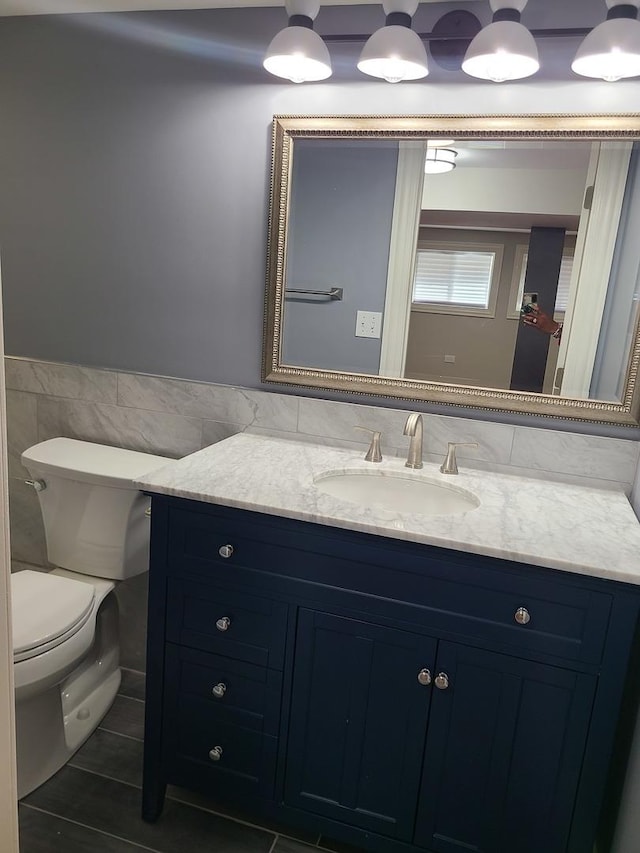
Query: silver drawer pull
[[225, 551], [223, 624], [219, 690], [522, 616], [424, 676], [442, 681], [215, 754]]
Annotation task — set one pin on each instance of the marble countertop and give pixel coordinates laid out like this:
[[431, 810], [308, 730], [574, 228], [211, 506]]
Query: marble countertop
[[557, 525]]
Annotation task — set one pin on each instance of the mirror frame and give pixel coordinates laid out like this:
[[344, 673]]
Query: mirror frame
[[548, 126]]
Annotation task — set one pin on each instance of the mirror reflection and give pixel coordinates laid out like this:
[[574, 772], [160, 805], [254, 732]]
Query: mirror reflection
[[464, 261]]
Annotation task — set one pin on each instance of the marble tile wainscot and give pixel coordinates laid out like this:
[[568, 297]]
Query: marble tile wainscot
[[175, 417]]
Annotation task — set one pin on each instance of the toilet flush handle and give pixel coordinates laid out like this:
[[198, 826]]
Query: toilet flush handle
[[38, 485]]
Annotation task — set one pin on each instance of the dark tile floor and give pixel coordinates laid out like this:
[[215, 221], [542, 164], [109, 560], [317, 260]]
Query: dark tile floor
[[92, 805]]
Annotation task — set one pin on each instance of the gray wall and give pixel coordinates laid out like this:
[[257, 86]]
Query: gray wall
[[338, 236], [134, 164]]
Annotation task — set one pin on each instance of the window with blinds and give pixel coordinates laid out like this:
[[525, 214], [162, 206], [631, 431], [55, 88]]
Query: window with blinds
[[564, 280], [456, 279]]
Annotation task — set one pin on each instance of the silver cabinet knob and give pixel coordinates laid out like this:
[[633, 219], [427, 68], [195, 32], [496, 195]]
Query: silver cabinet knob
[[215, 754], [225, 551], [219, 690], [522, 616], [223, 624], [442, 681], [424, 676]]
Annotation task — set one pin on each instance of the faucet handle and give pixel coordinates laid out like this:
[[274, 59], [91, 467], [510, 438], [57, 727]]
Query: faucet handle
[[373, 454], [450, 465]]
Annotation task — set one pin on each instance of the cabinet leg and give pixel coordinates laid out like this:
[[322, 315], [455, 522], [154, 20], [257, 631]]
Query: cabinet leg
[[153, 801]]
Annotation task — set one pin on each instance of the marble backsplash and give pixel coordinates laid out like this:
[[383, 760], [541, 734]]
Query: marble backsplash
[[173, 417]]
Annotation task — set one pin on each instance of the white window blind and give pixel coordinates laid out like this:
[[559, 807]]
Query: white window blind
[[454, 277], [564, 279]]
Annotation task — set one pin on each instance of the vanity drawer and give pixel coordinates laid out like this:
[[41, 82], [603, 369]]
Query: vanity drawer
[[431, 588], [229, 623], [219, 755], [203, 543], [561, 621], [232, 691]]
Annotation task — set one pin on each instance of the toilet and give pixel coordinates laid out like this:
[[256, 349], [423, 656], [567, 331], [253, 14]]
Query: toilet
[[65, 621]]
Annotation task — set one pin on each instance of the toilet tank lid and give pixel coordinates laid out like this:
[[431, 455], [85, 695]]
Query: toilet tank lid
[[85, 461]]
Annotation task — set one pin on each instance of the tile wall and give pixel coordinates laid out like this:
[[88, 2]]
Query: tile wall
[[173, 417]]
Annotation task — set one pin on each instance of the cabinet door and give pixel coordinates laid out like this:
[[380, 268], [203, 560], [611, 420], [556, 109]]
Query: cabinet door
[[358, 722], [503, 754]]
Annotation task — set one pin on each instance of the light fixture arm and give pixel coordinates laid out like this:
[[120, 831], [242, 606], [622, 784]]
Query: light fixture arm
[[622, 10], [543, 33], [506, 14], [398, 19], [301, 21]]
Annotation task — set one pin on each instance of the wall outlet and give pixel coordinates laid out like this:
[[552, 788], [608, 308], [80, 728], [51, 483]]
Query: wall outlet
[[368, 324], [450, 359]]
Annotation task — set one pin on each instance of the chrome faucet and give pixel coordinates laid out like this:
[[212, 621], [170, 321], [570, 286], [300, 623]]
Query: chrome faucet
[[413, 428]]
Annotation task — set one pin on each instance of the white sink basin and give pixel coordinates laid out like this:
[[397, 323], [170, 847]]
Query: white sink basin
[[396, 492]]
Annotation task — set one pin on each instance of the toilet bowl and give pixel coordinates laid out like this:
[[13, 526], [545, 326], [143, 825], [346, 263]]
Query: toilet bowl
[[65, 621]]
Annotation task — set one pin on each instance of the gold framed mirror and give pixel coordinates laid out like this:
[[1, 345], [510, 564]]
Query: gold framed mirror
[[386, 279]]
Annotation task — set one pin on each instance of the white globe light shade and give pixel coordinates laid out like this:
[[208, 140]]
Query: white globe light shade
[[610, 51], [394, 53], [503, 50], [298, 54]]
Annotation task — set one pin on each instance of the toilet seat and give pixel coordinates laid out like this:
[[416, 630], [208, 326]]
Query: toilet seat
[[47, 610]]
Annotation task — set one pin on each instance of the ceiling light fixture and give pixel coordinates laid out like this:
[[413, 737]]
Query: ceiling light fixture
[[395, 52], [297, 53], [611, 51], [505, 49], [440, 143], [439, 160]]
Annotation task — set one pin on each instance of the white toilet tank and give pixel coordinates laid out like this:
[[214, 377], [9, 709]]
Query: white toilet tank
[[94, 517]]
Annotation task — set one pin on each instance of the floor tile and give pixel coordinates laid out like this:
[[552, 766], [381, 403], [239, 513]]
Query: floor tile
[[338, 846], [45, 833], [125, 717], [201, 801], [288, 845], [132, 684], [111, 755], [110, 806]]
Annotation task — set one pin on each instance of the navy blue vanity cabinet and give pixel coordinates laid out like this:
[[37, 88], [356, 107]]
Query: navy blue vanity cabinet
[[396, 697], [359, 712], [504, 751], [503, 733]]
